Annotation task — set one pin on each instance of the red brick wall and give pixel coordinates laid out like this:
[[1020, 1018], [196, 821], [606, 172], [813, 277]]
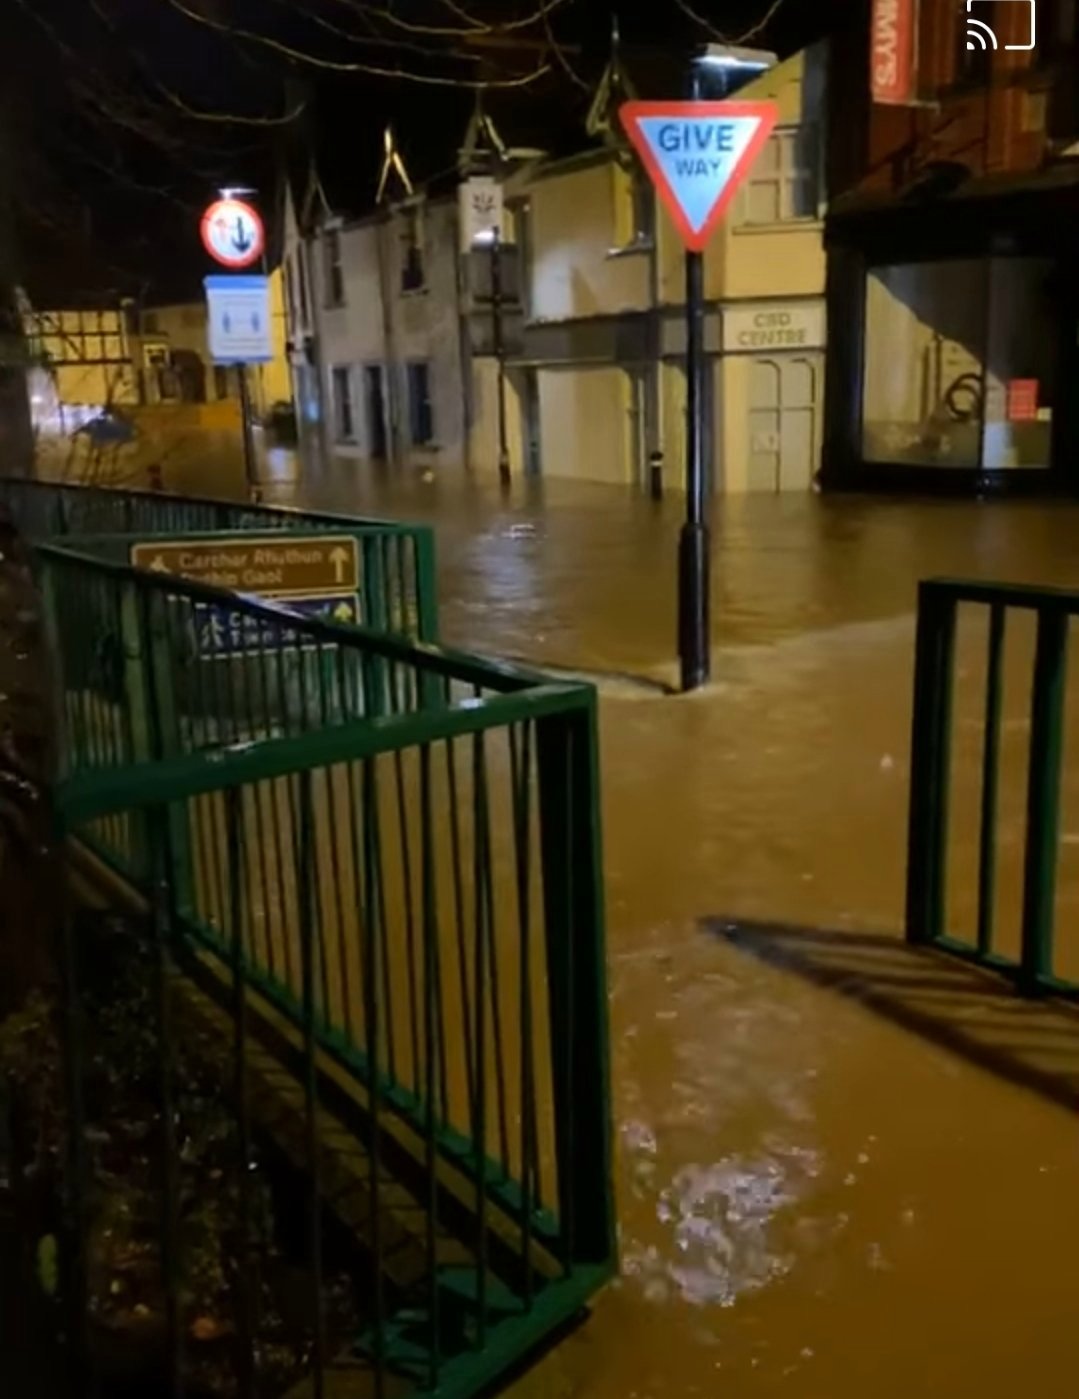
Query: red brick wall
[[990, 128]]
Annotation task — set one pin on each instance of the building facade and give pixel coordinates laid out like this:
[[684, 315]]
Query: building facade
[[953, 297], [171, 347], [126, 357], [393, 330]]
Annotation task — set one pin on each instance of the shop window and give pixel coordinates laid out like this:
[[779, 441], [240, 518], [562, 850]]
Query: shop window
[[413, 276], [332, 271], [344, 417], [420, 417], [959, 364], [785, 181]]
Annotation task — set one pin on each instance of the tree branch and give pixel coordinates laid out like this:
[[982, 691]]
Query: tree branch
[[341, 66]]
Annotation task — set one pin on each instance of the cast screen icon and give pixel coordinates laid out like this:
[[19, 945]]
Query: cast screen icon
[[980, 35]]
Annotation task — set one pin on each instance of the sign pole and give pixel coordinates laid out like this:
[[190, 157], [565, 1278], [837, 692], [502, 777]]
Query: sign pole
[[238, 307], [697, 153], [694, 543], [254, 490]]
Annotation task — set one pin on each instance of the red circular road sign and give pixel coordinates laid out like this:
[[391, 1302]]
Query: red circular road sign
[[232, 233]]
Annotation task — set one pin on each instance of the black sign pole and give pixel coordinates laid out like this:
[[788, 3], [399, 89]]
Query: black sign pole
[[694, 544], [254, 490]]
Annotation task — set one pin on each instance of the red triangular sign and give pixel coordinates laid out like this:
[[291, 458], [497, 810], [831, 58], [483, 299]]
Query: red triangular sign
[[697, 154]]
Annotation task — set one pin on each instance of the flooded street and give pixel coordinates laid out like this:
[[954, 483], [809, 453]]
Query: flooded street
[[844, 1168]]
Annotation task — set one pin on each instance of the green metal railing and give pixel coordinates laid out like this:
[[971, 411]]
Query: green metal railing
[[397, 564], [1035, 968], [395, 849]]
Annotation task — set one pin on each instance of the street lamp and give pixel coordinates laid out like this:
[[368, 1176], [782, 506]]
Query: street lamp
[[492, 238]]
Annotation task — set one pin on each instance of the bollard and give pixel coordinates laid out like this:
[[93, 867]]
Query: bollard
[[655, 475]]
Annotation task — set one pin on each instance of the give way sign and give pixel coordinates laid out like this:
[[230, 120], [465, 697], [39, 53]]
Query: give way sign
[[697, 154]]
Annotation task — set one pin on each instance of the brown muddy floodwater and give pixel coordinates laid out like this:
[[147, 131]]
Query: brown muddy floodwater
[[844, 1169]]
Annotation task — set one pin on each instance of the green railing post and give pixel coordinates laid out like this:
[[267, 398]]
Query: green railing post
[[929, 764], [426, 585], [567, 764], [1043, 796], [158, 670], [136, 699], [987, 834]]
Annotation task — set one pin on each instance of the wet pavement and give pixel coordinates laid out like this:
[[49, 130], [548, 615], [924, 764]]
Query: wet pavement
[[844, 1168]]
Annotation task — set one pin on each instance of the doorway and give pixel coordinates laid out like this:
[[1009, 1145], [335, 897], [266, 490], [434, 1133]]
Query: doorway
[[530, 423], [784, 422], [375, 409]]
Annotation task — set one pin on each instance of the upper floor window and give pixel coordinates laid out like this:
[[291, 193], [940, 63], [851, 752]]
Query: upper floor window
[[413, 276], [332, 269], [301, 263], [784, 183], [634, 208], [290, 290]]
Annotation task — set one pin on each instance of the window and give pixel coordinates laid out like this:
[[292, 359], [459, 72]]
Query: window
[[960, 363], [290, 291], [344, 420], [413, 277], [420, 423], [301, 262], [634, 209], [785, 182], [331, 268]]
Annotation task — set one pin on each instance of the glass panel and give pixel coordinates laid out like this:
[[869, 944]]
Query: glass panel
[[762, 202], [805, 195], [925, 331], [1022, 354], [768, 161]]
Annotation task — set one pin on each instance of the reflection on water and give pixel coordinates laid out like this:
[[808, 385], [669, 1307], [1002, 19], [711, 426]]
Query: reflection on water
[[843, 1174]]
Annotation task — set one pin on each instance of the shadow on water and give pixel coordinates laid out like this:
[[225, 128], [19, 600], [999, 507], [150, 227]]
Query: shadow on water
[[971, 1013]]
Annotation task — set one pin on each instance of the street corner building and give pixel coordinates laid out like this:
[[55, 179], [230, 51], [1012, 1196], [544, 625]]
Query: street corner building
[[559, 349], [953, 294]]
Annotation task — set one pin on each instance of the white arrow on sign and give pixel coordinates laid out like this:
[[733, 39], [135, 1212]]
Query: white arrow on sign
[[339, 559]]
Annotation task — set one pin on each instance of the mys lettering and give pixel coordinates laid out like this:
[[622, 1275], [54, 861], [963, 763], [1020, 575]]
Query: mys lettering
[[702, 144]]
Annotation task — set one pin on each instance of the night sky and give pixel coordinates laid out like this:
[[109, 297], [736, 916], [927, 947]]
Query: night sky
[[112, 112]]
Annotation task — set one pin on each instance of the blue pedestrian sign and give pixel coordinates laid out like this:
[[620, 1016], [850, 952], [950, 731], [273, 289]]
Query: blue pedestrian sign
[[238, 316], [697, 154], [223, 631]]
